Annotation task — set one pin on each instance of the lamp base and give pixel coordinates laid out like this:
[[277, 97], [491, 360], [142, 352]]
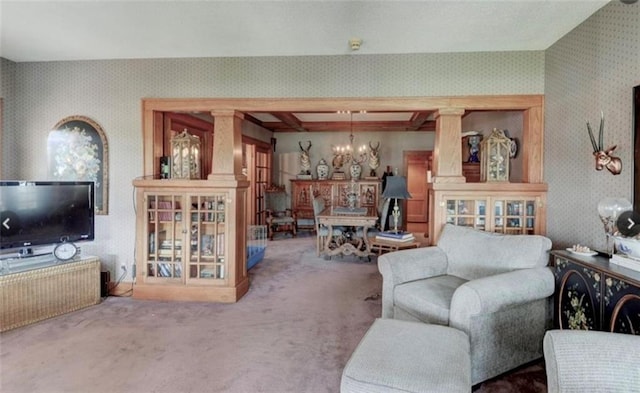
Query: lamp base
[[396, 216]]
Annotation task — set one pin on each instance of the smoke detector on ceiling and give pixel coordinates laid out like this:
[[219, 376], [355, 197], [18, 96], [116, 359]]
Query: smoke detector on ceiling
[[355, 43]]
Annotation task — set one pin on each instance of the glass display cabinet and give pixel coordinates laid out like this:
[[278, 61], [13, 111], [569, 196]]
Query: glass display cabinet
[[494, 208], [186, 235], [185, 252], [511, 216]]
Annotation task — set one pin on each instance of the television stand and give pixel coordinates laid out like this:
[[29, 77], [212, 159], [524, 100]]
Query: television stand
[[25, 263], [52, 289]]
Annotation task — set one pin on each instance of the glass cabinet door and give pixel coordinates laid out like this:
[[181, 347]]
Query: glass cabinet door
[[207, 241], [514, 216], [165, 233], [467, 212]]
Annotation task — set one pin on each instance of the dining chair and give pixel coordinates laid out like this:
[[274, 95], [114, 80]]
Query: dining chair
[[279, 218], [322, 231], [383, 212]]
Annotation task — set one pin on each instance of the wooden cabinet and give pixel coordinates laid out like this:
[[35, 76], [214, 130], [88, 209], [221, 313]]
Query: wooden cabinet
[[507, 208], [471, 172], [334, 193], [593, 294], [188, 242]]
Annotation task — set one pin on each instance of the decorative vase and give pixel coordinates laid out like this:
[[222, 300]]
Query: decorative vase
[[352, 199], [323, 170], [356, 171], [474, 148]]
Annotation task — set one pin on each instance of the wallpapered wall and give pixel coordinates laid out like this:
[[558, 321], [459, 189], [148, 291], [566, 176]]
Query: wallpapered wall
[[7, 84], [592, 69], [110, 92]]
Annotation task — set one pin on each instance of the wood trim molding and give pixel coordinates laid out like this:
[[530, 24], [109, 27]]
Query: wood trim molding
[[447, 107]]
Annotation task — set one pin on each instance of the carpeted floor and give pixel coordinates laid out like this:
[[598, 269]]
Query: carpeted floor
[[527, 379], [293, 332]]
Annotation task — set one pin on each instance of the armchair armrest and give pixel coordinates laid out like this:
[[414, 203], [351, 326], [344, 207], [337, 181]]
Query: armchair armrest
[[590, 361], [494, 293], [408, 265], [413, 264]]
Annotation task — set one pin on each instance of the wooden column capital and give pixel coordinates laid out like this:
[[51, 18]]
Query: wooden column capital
[[447, 151], [449, 112]]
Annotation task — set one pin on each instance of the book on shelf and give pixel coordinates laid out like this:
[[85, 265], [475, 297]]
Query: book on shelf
[[398, 240], [395, 235], [625, 261]]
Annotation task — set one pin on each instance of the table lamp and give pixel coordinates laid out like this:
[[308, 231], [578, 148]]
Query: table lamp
[[396, 188]]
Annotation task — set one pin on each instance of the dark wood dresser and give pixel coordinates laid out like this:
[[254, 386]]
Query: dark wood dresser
[[593, 294]]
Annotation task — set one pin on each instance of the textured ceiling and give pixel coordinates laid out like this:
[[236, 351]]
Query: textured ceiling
[[108, 29]]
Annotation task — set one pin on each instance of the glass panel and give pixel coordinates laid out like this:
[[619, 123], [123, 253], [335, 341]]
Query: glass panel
[[164, 231], [206, 236], [531, 208], [451, 206], [466, 212], [498, 211]]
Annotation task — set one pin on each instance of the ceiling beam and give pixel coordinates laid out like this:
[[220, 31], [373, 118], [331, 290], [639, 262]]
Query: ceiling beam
[[345, 126], [290, 120], [418, 119]]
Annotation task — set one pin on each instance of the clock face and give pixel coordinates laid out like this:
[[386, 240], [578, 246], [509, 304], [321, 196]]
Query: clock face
[[65, 251]]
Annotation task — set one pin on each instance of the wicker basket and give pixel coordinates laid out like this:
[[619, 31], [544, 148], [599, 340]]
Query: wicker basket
[[38, 294]]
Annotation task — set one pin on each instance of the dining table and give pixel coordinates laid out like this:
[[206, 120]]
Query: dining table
[[355, 223]]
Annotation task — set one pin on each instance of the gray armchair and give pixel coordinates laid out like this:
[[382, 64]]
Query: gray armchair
[[496, 288], [580, 361]]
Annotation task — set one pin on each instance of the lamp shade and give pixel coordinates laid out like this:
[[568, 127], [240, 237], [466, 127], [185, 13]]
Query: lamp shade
[[396, 187]]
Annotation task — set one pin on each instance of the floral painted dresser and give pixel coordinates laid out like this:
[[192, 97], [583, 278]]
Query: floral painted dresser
[[593, 294]]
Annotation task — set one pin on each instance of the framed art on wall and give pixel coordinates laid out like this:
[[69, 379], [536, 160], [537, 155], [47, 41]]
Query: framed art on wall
[[78, 150]]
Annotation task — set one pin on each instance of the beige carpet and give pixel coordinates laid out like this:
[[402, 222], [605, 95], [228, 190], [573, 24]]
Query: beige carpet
[[293, 332]]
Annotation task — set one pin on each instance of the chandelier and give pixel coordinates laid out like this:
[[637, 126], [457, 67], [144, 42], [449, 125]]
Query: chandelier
[[344, 154]]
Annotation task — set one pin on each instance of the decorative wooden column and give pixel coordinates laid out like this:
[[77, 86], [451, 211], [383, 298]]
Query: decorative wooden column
[[227, 146], [532, 144], [447, 151], [227, 170]]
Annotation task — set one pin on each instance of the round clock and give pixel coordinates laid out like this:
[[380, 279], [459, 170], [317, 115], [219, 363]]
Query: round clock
[[65, 251]]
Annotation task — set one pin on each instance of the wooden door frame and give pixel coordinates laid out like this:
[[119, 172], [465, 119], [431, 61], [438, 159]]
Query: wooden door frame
[[252, 200], [405, 165]]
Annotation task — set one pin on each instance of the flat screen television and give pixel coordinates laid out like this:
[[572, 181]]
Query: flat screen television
[[37, 213]]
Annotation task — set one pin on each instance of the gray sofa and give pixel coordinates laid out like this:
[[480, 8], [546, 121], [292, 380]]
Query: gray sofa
[[587, 361], [495, 288]]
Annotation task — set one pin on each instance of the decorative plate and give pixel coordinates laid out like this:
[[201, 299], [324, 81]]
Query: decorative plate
[[513, 149], [586, 254]]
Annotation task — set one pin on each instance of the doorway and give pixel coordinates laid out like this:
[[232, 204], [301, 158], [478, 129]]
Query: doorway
[[417, 165]]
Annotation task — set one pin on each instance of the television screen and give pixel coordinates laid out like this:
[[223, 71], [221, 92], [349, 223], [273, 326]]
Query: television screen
[[41, 213]]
